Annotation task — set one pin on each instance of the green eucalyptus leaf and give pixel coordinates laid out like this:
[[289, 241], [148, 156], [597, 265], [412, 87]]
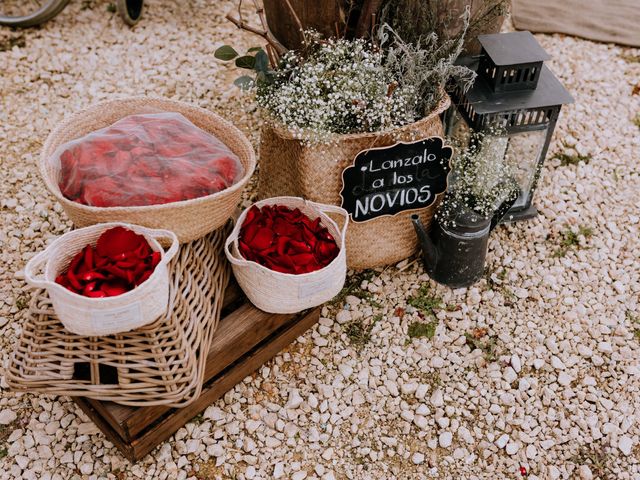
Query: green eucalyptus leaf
[[225, 53], [254, 49], [244, 83], [262, 62], [246, 61], [261, 77]]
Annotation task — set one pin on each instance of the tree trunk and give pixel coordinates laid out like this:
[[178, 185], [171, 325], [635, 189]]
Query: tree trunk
[[321, 15], [329, 18]]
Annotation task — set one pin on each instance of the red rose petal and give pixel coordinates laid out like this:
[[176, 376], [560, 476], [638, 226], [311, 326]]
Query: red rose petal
[[96, 294], [111, 289], [155, 259], [115, 242], [262, 239], [286, 240]]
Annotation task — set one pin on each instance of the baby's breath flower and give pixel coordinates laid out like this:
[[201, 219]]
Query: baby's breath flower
[[340, 87]]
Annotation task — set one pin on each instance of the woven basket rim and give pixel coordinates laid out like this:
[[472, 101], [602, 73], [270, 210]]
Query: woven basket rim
[[287, 133], [54, 188]]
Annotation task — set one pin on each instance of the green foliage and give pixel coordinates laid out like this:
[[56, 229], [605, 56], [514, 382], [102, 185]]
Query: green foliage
[[595, 456], [3, 452], [636, 120], [22, 302], [416, 19], [571, 239], [421, 329], [572, 159], [488, 346], [635, 322], [359, 331], [627, 57], [352, 287], [425, 301], [111, 8], [225, 53], [425, 66], [256, 60]]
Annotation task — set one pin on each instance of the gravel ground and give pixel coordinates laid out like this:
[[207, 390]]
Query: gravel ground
[[533, 372]]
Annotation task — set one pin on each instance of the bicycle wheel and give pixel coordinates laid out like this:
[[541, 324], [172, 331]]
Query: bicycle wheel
[[27, 13], [130, 10]]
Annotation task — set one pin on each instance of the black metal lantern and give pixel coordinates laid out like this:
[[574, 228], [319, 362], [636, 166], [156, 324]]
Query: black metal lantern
[[517, 95]]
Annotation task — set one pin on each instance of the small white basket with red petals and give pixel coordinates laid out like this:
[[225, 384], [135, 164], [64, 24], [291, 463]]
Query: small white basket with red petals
[[288, 254], [106, 279]]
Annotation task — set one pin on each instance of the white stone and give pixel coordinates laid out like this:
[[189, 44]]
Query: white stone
[[585, 472], [515, 363], [512, 448], [343, 316], [421, 391], [557, 363], [502, 441], [7, 416], [299, 475], [437, 398], [278, 470], [509, 375], [295, 400], [417, 458], [445, 439], [564, 379], [605, 347], [625, 444]]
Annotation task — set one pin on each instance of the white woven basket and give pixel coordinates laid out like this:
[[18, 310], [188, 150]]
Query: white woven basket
[[103, 316], [276, 292]]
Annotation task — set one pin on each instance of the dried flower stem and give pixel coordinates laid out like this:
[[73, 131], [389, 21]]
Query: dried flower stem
[[265, 33], [366, 22]]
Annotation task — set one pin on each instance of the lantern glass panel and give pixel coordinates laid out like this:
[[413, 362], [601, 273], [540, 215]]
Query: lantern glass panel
[[457, 129], [523, 156]]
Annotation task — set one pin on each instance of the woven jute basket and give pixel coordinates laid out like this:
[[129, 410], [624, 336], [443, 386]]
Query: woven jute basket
[[277, 292], [189, 219], [314, 172], [162, 363], [103, 316]]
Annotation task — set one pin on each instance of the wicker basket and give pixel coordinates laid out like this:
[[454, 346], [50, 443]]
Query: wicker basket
[[160, 364], [103, 316], [276, 292], [189, 219], [314, 172]]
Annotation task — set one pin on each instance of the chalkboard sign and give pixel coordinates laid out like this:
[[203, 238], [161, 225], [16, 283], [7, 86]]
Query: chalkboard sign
[[389, 180]]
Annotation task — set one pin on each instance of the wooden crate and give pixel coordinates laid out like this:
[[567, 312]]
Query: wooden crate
[[246, 338]]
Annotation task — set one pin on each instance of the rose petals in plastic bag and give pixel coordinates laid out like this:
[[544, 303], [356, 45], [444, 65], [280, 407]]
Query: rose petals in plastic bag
[[145, 159]]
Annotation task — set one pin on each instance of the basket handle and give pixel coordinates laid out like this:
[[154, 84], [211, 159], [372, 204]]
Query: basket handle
[[165, 235], [334, 209], [233, 236], [32, 266]]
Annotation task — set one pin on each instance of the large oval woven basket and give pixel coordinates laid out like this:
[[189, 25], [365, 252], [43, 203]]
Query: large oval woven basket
[[189, 219], [290, 167]]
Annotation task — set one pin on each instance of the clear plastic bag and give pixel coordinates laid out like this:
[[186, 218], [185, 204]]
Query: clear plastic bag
[[145, 159]]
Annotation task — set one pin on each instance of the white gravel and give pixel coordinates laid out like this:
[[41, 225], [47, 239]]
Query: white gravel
[[558, 394]]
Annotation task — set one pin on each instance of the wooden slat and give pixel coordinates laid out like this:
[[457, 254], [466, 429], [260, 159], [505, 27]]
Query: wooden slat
[[221, 383], [106, 428], [115, 414], [239, 333]]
